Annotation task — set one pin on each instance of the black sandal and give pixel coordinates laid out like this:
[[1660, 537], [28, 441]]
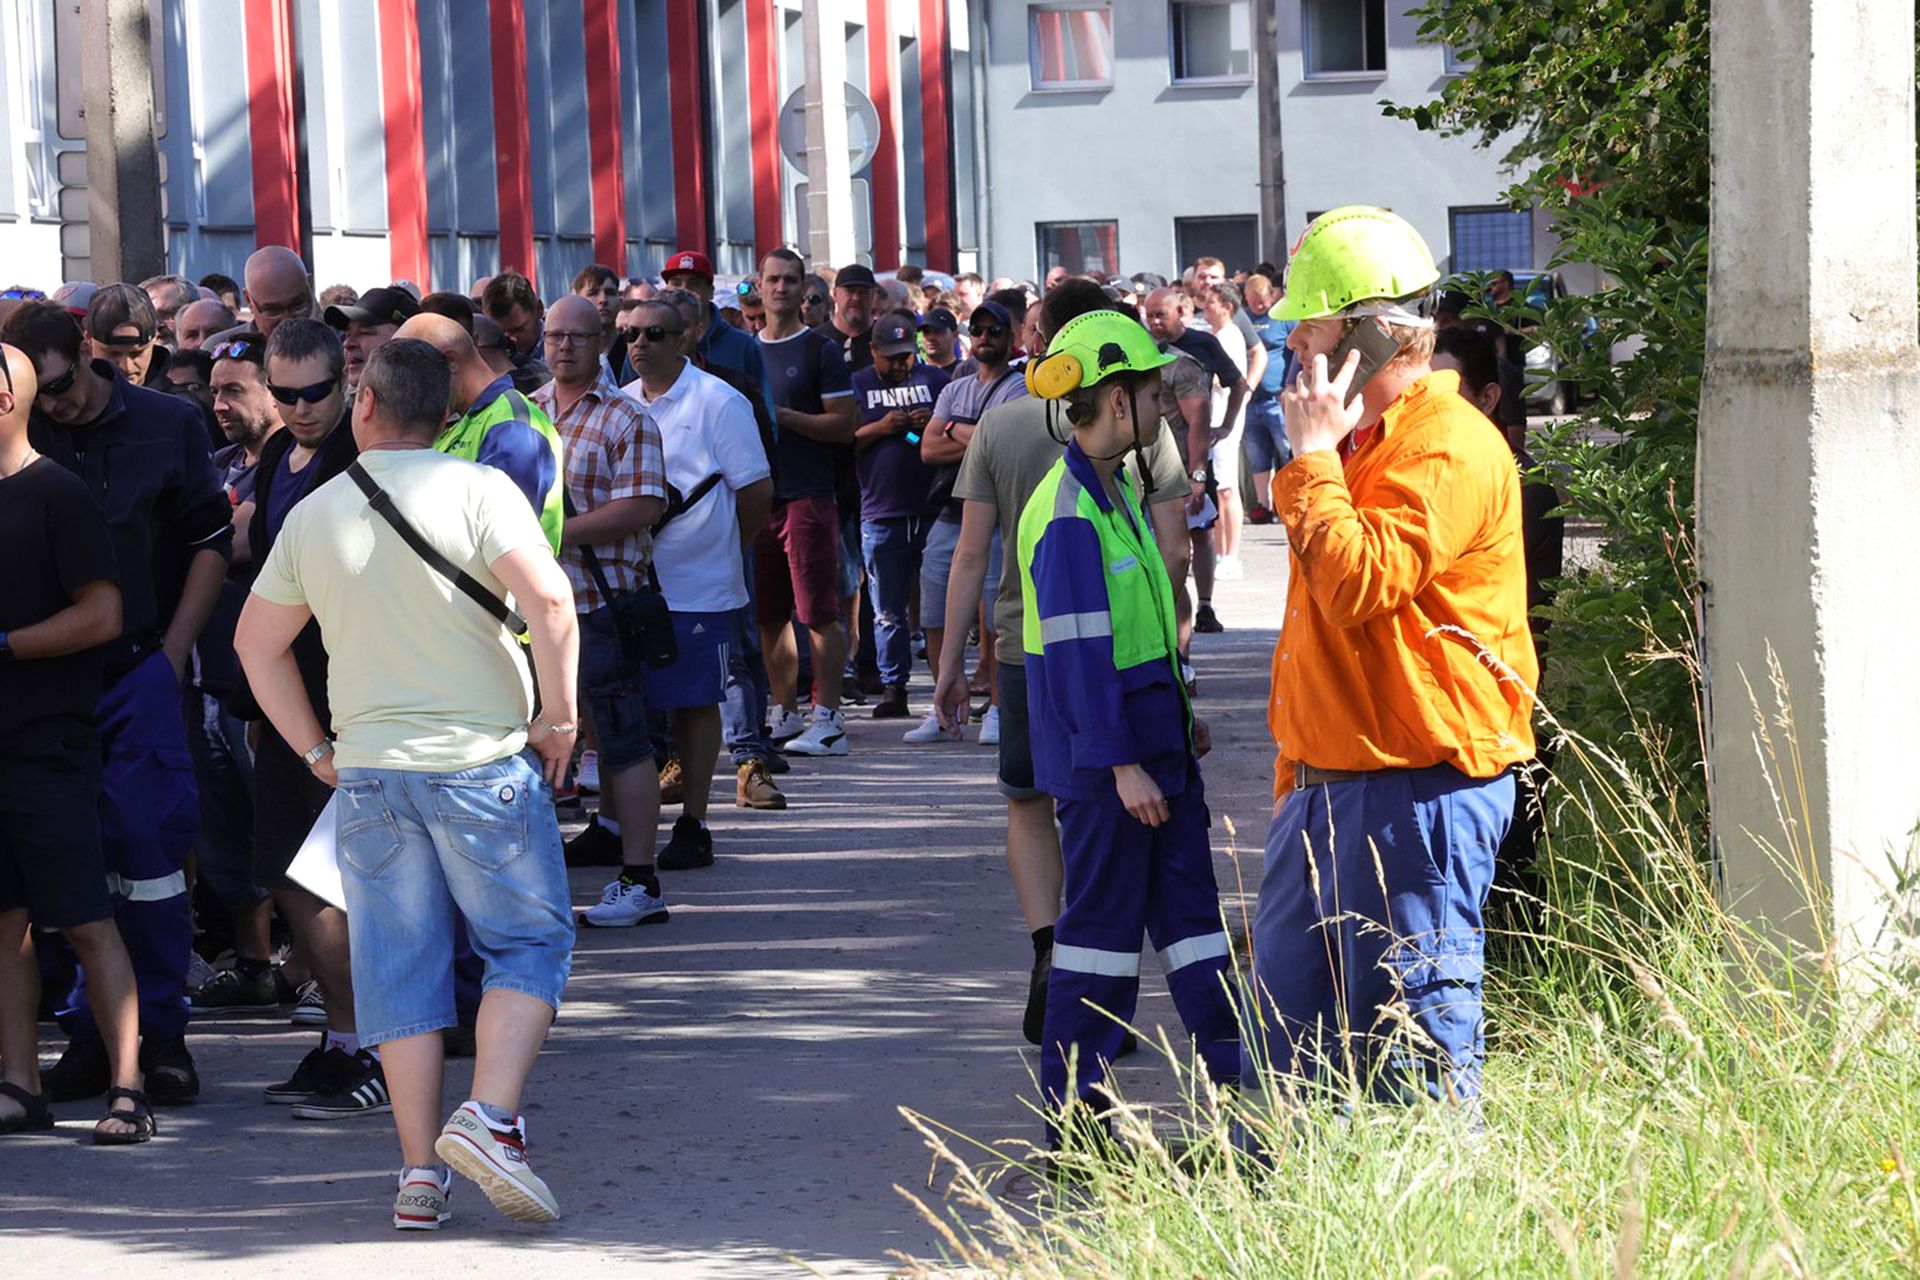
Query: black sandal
[[34, 1115], [140, 1116]]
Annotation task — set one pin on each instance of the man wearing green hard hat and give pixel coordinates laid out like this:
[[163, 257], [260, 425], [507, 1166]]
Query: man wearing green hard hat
[[1114, 739], [1402, 686]]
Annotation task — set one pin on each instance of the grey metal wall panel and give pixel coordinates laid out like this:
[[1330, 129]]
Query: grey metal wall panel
[[218, 34], [538, 73], [913, 153], [319, 82], [572, 149], [470, 82], [363, 149], [732, 120], [649, 131]]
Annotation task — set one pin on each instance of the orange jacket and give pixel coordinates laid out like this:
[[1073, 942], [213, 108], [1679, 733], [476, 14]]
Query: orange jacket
[[1405, 642]]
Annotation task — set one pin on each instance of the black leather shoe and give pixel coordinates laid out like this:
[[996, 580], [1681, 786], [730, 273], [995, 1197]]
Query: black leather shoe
[[171, 1078], [82, 1072]]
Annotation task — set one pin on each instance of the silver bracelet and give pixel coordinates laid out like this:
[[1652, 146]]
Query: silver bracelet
[[569, 727]]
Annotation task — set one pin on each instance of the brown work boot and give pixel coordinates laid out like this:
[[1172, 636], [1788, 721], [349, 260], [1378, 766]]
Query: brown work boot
[[673, 783], [753, 787]]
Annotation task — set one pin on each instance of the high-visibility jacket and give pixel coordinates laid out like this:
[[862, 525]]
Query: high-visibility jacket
[[1103, 666], [504, 429]]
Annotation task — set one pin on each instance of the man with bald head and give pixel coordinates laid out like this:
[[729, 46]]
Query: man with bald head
[[59, 602], [278, 288], [495, 425], [198, 321]]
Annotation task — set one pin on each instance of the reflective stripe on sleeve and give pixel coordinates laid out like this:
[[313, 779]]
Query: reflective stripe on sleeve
[[1076, 626], [1204, 946], [1105, 964]]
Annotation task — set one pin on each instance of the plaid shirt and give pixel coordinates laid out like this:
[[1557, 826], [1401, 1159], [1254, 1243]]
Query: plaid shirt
[[613, 452]]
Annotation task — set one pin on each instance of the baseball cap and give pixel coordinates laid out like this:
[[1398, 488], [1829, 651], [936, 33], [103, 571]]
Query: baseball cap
[[893, 335], [940, 318], [855, 276], [389, 305], [115, 305], [488, 335], [76, 297], [688, 262], [993, 311]]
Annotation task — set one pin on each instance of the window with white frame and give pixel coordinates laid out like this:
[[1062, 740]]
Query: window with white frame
[[1070, 46], [1344, 38], [1212, 40]]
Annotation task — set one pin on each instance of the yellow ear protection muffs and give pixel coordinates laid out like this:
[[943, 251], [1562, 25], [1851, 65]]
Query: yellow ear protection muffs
[[1051, 377]]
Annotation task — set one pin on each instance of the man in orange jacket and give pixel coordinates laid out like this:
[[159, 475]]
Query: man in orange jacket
[[1402, 687]]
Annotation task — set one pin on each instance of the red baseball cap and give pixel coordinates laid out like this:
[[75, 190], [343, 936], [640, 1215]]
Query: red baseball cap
[[687, 262]]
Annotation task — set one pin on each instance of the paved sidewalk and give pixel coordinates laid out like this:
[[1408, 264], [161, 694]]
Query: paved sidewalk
[[720, 1095]]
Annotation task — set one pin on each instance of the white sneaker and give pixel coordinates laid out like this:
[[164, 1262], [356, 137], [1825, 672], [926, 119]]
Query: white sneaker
[[624, 905], [587, 776], [496, 1159], [826, 736], [1229, 569], [929, 730], [787, 724], [421, 1202], [990, 728]]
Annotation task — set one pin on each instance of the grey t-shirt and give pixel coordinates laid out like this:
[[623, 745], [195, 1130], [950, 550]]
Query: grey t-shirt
[[1010, 455]]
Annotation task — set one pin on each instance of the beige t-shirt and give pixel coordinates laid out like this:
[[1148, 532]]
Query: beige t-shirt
[[1009, 455], [419, 676]]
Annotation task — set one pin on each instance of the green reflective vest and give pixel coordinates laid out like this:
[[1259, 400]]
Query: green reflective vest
[[537, 472]]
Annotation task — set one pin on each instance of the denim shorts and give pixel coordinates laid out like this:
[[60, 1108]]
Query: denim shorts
[[417, 847], [936, 566], [613, 691], [1266, 439]]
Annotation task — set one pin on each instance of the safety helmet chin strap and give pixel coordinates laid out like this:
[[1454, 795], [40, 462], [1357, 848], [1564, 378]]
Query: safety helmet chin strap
[[1138, 448]]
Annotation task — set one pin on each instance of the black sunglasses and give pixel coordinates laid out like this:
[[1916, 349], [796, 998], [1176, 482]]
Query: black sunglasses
[[61, 385], [238, 349], [987, 330], [22, 295], [652, 333], [815, 300], [313, 393]]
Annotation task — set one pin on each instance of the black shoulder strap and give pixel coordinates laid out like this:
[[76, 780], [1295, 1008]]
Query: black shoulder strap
[[687, 502], [382, 502]]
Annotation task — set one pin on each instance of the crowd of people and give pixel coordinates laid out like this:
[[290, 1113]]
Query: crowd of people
[[420, 569]]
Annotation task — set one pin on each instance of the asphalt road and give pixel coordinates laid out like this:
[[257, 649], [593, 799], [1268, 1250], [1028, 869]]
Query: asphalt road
[[720, 1097]]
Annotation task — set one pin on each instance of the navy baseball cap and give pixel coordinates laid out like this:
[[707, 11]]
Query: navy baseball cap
[[894, 334], [940, 318], [993, 311]]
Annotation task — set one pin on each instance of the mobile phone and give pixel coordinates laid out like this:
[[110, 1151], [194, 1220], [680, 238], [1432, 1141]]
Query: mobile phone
[[1376, 345]]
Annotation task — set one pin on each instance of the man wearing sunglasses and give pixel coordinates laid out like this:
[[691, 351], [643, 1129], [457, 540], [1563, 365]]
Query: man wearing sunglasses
[[991, 381], [145, 456], [721, 343]]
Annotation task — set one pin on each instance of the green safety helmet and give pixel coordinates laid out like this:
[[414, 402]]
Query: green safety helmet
[[1091, 348], [1349, 255]]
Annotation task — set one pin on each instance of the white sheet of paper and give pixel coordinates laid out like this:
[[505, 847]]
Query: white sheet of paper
[[1199, 519], [316, 868]]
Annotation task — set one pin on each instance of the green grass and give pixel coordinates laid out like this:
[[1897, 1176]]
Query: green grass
[[1668, 1093]]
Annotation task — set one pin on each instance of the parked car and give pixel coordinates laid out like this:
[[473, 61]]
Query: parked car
[[1546, 291]]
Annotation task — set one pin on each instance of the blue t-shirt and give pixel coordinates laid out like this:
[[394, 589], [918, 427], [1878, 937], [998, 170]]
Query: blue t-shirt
[[289, 486], [1273, 336], [893, 480], [805, 371]]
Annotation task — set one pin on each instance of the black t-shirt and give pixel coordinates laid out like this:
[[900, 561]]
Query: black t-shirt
[[806, 370], [1206, 349], [857, 350], [56, 541]]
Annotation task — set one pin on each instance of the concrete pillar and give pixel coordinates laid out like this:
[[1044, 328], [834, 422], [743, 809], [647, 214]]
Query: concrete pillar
[[125, 227], [829, 177], [1810, 461]]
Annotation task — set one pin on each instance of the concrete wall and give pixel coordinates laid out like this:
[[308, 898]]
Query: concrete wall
[[1143, 152]]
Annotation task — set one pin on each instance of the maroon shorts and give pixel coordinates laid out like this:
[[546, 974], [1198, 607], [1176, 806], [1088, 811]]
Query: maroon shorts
[[796, 563]]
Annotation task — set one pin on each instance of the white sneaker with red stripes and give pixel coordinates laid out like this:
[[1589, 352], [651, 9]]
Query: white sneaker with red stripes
[[421, 1202], [496, 1160]]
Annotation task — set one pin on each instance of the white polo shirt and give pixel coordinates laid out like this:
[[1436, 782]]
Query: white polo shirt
[[706, 428]]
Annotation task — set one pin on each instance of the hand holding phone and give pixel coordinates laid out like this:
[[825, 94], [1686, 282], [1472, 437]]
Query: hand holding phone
[[1376, 345], [1322, 406]]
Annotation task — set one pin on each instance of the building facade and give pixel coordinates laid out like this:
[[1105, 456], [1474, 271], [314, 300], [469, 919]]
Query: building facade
[[439, 140]]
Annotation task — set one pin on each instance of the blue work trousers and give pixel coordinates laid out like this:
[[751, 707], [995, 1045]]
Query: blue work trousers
[[1124, 878], [149, 814], [891, 547], [1370, 920]]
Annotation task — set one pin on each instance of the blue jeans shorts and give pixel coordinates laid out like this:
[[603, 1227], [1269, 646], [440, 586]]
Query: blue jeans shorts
[[417, 847], [936, 565], [1266, 439], [698, 677], [613, 690]]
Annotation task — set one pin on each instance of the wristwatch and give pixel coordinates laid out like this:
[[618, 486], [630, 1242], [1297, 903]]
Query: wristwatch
[[1198, 475], [319, 753]]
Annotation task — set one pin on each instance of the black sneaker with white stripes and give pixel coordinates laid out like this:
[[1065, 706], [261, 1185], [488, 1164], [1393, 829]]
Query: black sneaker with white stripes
[[362, 1092]]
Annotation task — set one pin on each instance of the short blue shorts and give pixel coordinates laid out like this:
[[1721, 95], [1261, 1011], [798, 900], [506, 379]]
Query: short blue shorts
[[698, 677], [613, 691], [415, 847]]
